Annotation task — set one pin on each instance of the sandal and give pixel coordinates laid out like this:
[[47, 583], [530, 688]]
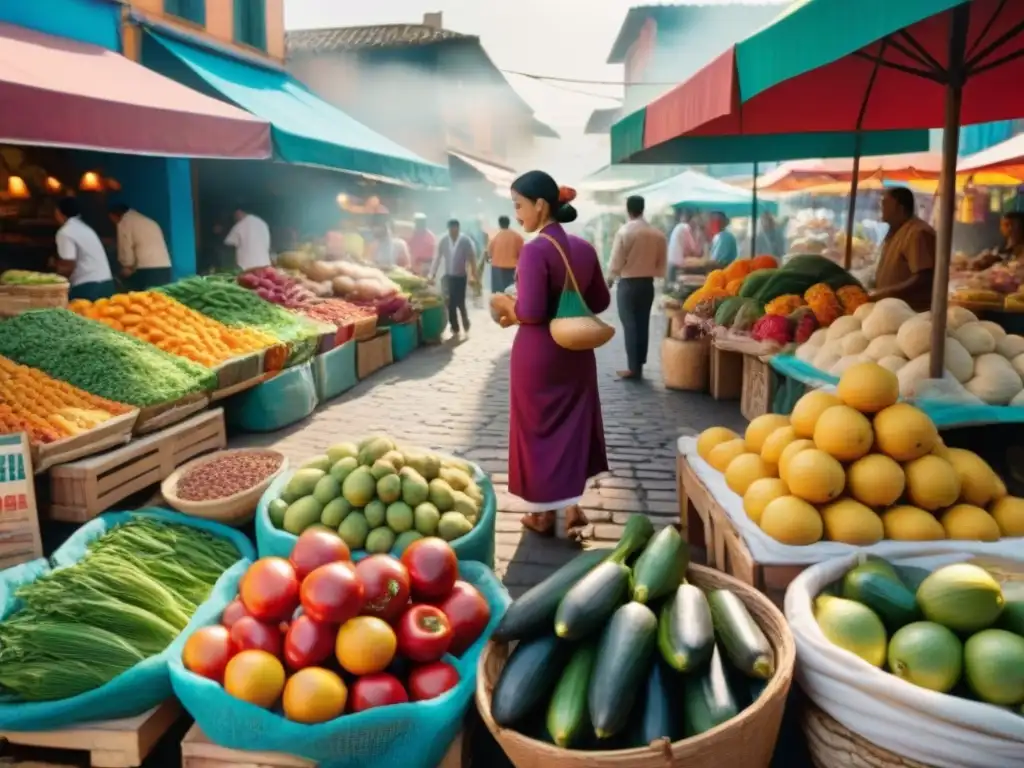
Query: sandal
[[541, 523], [575, 521]]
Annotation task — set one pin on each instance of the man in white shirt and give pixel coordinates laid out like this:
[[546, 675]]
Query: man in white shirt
[[141, 249], [81, 256], [682, 245], [251, 240]]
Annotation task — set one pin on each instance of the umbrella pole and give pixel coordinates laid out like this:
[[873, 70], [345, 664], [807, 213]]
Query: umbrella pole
[[753, 216], [947, 185], [852, 211]]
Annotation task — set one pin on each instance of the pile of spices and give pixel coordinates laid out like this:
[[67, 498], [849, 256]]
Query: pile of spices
[[227, 475]]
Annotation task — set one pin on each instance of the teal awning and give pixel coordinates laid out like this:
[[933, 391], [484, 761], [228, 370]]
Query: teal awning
[[691, 189], [306, 130]]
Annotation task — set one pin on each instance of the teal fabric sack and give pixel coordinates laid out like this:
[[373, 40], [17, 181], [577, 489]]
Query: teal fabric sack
[[432, 324], [477, 545], [414, 735], [287, 398], [404, 339], [145, 685], [334, 372]]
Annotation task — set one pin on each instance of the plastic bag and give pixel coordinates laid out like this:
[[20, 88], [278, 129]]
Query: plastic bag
[[476, 545], [287, 398], [143, 686], [926, 726], [414, 735]]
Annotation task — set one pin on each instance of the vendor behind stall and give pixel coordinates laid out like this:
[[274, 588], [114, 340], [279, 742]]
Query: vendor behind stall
[[1011, 227], [80, 255], [907, 264], [141, 249]]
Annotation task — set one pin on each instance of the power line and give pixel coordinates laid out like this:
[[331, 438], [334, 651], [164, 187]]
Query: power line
[[555, 78]]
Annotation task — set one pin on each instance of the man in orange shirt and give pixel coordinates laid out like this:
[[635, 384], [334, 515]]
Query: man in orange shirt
[[503, 253]]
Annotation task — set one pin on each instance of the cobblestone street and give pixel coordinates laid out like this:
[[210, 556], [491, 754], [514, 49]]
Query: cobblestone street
[[454, 398]]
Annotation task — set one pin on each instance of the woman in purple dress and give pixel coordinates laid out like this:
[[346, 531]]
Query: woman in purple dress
[[556, 435]]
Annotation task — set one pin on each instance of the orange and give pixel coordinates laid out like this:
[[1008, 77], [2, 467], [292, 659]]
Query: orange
[[256, 677], [365, 645], [314, 695]]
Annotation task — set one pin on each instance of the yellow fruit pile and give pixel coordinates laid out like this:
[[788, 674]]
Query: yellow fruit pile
[[858, 467]]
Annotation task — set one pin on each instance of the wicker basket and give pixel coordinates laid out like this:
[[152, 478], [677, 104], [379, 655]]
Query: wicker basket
[[686, 365], [15, 299], [238, 509], [748, 740], [833, 745]]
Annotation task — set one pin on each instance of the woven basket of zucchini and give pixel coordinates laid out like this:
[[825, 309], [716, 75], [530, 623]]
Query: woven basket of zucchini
[[633, 657], [831, 743]]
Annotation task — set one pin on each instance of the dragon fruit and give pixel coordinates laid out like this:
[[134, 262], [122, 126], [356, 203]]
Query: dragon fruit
[[805, 323], [772, 328]]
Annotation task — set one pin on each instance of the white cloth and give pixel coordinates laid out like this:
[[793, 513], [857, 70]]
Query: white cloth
[[251, 239], [140, 243], [78, 242]]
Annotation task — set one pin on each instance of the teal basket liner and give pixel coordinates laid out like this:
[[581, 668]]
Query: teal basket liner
[[414, 735], [404, 339], [432, 323], [145, 685], [334, 372], [287, 398], [477, 545]]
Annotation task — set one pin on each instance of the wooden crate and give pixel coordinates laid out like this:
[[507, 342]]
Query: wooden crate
[[109, 744], [83, 489], [756, 399], [707, 525], [154, 417], [726, 373], [374, 354], [239, 369], [111, 433], [199, 752]]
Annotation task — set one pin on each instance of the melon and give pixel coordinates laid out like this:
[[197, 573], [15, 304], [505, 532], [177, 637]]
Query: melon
[[868, 387], [1008, 512], [759, 429], [962, 596], [851, 522], [852, 627], [745, 469], [966, 522], [807, 410], [904, 432], [843, 433], [979, 482], [926, 654], [906, 523], [776, 443], [722, 454], [792, 521], [814, 476], [760, 494], [932, 483], [875, 480], [994, 666], [711, 437], [790, 451]]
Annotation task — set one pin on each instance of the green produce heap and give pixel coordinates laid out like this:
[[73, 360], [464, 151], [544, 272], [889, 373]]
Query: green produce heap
[[126, 600], [100, 360]]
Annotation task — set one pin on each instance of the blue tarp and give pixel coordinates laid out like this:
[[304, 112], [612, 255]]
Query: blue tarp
[[306, 130]]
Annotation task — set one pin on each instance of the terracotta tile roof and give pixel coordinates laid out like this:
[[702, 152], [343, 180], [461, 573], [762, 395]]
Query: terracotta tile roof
[[356, 38]]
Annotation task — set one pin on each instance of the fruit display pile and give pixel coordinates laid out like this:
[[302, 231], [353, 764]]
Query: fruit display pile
[[126, 600], [336, 312], [613, 657], [856, 467], [317, 637], [380, 498], [173, 327], [418, 289], [955, 630], [46, 409], [979, 354], [27, 277], [275, 286], [92, 356]]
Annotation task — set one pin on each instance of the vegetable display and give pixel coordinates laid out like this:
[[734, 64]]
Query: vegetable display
[[857, 467], [956, 630], [227, 475], [47, 409], [315, 637], [100, 360], [618, 657], [126, 600], [380, 498], [169, 325], [421, 294], [336, 312], [27, 277], [275, 286]]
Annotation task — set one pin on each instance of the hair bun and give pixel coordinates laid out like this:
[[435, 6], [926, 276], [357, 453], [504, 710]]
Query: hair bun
[[566, 195]]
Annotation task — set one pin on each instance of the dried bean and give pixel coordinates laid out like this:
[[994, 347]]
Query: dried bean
[[227, 475]]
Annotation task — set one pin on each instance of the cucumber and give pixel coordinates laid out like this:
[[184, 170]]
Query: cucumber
[[741, 639], [911, 576], [895, 605], [635, 535], [661, 566], [1012, 617], [532, 614], [623, 660], [686, 635], [588, 604], [656, 717], [567, 710], [707, 699], [528, 677]]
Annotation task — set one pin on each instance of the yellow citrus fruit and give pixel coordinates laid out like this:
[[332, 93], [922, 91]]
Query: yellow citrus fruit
[[875, 480], [760, 494], [314, 695], [789, 452], [967, 522], [843, 433], [807, 410], [775, 444], [1008, 513], [256, 677], [711, 437]]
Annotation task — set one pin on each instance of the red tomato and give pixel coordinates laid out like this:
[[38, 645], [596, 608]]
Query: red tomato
[[432, 567], [270, 589], [385, 586], [424, 633], [332, 594], [207, 652], [308, 643], [378, 690], [468, 614], [431, 680], [317, 547], [233, 613], [250, 634]]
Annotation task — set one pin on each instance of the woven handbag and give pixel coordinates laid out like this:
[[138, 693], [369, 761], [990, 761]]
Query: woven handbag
[[574, 326]]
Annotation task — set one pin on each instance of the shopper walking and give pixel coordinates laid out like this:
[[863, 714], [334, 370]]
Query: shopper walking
[[422, 245], [639, 255], [682, 245], [456, 255], [503, 253], [81, 256], [250, 237], [141, 249]]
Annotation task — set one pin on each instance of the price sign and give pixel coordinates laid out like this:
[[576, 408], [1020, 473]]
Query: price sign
[[19, 517]]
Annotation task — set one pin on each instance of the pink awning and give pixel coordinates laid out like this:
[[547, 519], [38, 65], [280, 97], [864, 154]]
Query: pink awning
[[58, 92]]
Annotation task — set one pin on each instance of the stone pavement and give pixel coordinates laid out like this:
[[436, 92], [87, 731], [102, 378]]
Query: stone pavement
[[454, 398]]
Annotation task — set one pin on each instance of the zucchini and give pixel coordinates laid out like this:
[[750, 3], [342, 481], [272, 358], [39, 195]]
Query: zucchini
[[911, 576], [635, 535], [588, 604], [532, 614], [661, 566], [567, 710], [686, 635], [707, 699], [623, 661], [1012, 617], [656, 718], [741, 639], [528, 677], [895, 605]]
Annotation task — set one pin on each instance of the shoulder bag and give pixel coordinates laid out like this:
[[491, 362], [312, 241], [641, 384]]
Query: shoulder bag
[[574, 326]]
